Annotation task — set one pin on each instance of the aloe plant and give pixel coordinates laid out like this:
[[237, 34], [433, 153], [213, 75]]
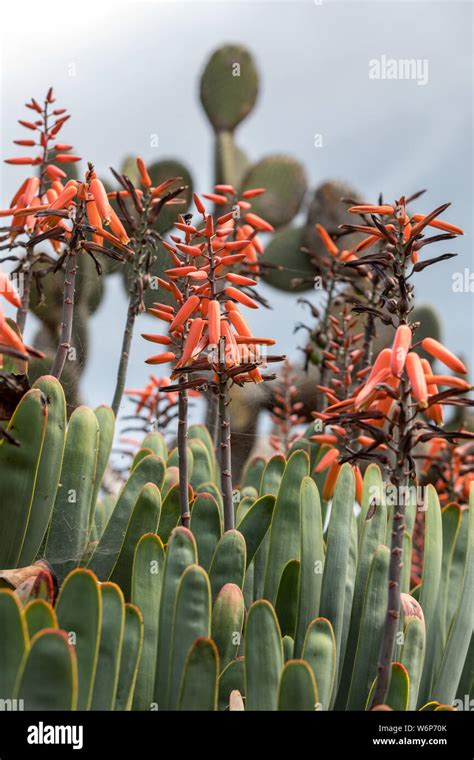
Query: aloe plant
[[285, 610]]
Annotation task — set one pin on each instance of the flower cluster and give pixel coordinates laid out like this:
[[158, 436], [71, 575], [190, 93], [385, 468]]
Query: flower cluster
[[334, 277], [153, 406], [206, 328], [287, 411], [42, 189]]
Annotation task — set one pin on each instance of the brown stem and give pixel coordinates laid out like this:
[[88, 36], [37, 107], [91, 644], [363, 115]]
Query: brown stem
[[137, 288], [124, 355], [369, 331], [68, 313], [27, 274], [225, 443], [400, 480], [183, 457], [213, 418], [320, 401]]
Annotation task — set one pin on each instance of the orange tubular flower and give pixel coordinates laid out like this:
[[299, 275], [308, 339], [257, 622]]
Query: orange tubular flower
[[451, 382], [117, 227], [328, 242], [436, 349], [359, 483], [324, 438], [331, 479], [192, 341], [9, 337], [144, 176], [258, 223], [102, 202], [8, 290], [417, 379], [434, 411], [401, 346], [161, 314], [438, 224], [185, 312], [369, 209], [242, 298], [239, 279], [214, 318], [168, 356], [368, 389], [327, 460], [94, 219], [164, 340]]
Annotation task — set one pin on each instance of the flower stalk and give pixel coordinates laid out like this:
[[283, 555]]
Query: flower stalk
[[135, 304], [225, 439]]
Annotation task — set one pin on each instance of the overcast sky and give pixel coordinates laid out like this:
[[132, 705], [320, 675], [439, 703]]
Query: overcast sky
[[127, 70]]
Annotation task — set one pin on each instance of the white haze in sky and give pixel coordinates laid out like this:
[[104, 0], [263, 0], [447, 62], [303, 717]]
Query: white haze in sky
[[135, 72]]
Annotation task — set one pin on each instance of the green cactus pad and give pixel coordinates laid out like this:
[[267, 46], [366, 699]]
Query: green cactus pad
[[229, 87], [326, 209], [285, 181], [284, 250]]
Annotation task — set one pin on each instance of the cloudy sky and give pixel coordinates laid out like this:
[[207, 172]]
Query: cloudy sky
[[128, 70]]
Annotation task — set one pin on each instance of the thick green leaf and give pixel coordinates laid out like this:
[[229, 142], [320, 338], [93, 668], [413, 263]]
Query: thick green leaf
[[399, 689], [47, 679], [430, 585], [371, 534], [206, 527], [263, 657], [199, 686], [229, 562], [18, 472], [39, 615], [319, 651], [298, 691], [451, 522], [150, 470], [413, 656], [203, 469], [180, 554], [110, 648], [49, 470], [15, 640], [147, 581], [79, 612], [337, 556], [272, 475], [372, 620], [288, 648], [144, 519], [286, 606], [170, 514], [227, 622], [232, 678], [67, 535], [312, 561], [460, 631], [285, 526], [106, 420], [192, 620], [156, 442], [255, 523], [252, 475], [130, 657]]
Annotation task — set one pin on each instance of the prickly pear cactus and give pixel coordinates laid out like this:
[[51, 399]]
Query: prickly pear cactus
[[229, 87]]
